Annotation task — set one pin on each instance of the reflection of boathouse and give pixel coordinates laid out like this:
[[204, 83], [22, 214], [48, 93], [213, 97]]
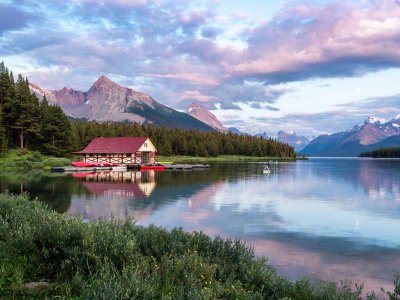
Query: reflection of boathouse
[[113, 194], [133, 185], [120, 150]]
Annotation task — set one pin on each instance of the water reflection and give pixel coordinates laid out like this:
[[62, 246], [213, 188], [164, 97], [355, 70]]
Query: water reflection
[[334, 218]]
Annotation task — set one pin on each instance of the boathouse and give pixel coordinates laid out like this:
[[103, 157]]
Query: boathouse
[[120, 150]]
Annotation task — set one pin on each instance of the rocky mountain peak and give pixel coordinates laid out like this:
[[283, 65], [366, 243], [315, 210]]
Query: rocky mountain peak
[[294, 140], [374, 120], [108, 101], [205, 116], [103, 82]]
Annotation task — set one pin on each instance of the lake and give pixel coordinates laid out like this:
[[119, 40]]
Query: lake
[[327, 218]]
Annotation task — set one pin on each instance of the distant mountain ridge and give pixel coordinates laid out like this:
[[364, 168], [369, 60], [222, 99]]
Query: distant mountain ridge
[[298, 142], [373, 134], [108, 101], [205, 116]]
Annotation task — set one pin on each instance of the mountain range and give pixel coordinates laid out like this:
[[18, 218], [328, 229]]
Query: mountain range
[[373, 134], [298, 142], [108, 101]]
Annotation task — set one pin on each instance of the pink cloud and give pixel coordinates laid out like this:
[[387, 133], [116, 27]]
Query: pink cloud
[[196, 95], [194, 78], [311, 34]]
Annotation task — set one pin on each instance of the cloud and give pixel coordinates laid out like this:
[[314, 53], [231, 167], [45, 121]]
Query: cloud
[[323, 40], [269, 107], [313, 124], [194, 78], [12, 18], [196, 95], [181, 51]]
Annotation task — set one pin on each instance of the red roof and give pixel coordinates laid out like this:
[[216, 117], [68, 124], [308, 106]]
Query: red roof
[[114, 145]]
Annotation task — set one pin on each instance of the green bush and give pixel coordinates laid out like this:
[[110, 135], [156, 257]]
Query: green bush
[[56, 162], [26, 160], [120, 260]]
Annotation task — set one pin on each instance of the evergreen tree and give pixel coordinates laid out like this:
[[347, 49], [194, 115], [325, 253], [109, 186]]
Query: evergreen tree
[[56, 130], [26, 113]]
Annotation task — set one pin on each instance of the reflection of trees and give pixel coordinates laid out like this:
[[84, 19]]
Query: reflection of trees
[[54, 189]]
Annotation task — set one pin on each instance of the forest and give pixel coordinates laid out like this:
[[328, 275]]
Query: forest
[[32, 124], [383, 153]]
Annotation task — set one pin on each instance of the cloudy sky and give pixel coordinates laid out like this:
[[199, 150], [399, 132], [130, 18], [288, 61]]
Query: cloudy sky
[[311, 66]]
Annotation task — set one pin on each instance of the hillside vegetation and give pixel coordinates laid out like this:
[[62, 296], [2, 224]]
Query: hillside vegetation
[[184, 142], [29, 160], [47, 254], [383, 153]]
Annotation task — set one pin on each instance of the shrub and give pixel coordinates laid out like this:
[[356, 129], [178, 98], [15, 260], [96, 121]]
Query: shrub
[[120, 260]]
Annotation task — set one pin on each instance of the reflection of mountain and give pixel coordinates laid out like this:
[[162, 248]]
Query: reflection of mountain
[[379, 179]]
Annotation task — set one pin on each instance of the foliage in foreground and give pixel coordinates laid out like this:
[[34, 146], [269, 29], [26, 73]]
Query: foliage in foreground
[[28, 160], [124, 261]]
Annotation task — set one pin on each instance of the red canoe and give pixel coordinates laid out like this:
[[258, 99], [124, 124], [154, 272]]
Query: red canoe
[[83, 164], [155, 167]]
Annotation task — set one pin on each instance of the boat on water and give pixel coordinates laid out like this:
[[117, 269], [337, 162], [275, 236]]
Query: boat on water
[[83, 164], [152, 167], [266, 170]]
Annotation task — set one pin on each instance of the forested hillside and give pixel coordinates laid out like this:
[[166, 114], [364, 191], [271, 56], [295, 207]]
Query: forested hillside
[[383, 153], [184, 142], [27, 123]]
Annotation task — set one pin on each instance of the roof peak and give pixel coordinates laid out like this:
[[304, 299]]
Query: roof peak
[[127, 144]]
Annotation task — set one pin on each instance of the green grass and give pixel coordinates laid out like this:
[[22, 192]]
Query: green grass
[[113, 260], [27, 160], [221, 158]]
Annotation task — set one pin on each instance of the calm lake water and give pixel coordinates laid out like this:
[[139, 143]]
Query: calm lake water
[[329, 218]]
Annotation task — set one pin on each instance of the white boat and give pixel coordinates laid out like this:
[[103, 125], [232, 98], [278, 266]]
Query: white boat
[[119, 168], [266, 170]]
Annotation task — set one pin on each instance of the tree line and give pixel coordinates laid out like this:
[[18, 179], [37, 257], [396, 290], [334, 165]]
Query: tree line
[[383, 153], [27, 123], [182, 141]]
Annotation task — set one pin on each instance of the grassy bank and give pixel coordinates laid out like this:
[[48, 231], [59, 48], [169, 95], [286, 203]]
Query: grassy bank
[[44, 254], [27, 160], [221, 158]]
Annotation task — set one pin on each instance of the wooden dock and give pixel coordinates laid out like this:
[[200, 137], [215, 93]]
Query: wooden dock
[[70, 169], [186, 166], [122, 168]]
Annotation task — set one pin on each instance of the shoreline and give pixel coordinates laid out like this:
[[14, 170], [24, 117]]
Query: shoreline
[[225, 158]]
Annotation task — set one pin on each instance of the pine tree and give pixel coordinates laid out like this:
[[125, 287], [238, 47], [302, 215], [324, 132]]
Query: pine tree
[[26, 113], [56, 131]]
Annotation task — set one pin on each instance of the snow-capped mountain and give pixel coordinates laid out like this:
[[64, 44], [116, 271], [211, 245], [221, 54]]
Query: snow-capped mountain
[[205, 116], [373, 134], [108, 101]]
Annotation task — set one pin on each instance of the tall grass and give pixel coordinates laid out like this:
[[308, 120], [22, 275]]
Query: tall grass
[[114, 260]]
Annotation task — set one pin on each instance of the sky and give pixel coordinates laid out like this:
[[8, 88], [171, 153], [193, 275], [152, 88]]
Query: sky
[[313, 67]]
